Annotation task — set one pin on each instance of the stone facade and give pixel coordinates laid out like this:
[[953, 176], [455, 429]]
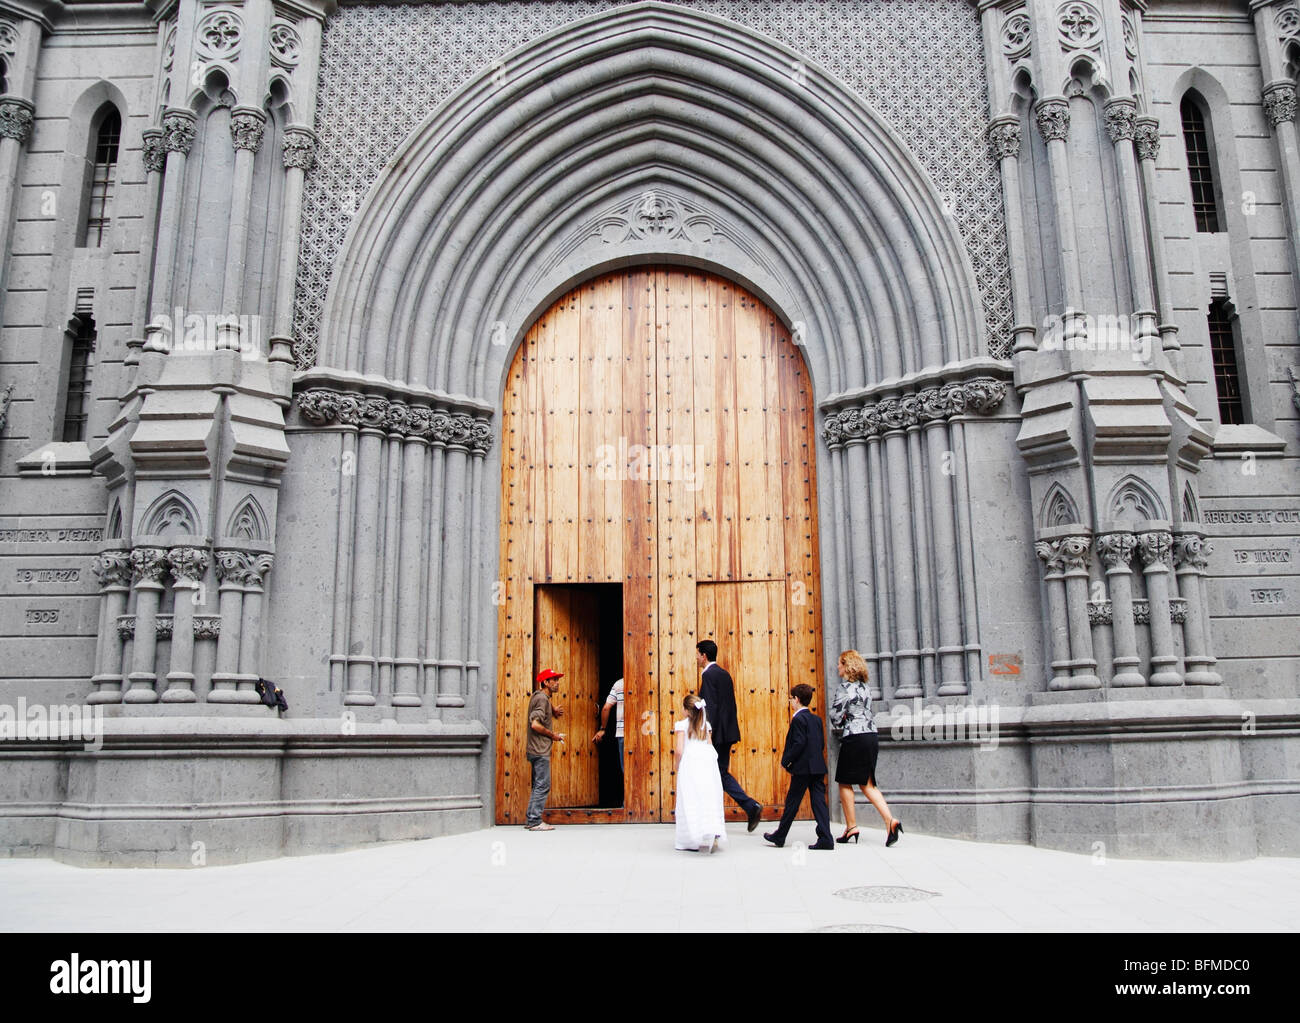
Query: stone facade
[[324, 245]]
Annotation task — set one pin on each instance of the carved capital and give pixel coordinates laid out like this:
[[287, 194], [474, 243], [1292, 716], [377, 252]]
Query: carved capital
[[207, 626], [178, 130], [1100, 612], [1116, 550], [1279, 103], [1142, 611], [163, 625], [247, 125], [984, 394], [1049, 552], [1121, 118], [112, 568], [188, 564], [299, 148], [1191, 551], [16, 118], [833, 430], [1004, 138], [1153, 548], [126, 626], [1076, 552], [154, 150], [149, 565], [1178, 610], [1146, 137], [322, 406], [234, 567], [1053, 119]]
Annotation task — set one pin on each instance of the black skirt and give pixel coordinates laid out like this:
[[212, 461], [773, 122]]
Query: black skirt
[[857, 762]]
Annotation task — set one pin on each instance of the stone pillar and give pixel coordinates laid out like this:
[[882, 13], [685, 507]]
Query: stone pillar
[[1121, 126], [833, 434], [859, 594], [1146, 142], [1004, 143], [1075, 553], [1053, 117], [178, 128], [149, 567], [362, 633], [231, 568], [1154, 547], [934, 406], [479, 445], [299, 153], [1116, 552], [188, 564], [250, 627], [1279, 108], [1190, 551], [924, 557], [907, 651], [395, 423], [451, 654], [247, 125], [411, 567], [154, 152], [113, 570], [16, 117], [886, 678], [1049, 552], [439, 432]]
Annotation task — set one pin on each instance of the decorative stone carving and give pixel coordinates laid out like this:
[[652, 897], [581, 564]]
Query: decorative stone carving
[[1075, 553], [243, 568], [112, 568], [246, 128], [1100, 612], [1116, 549], [1146, 138], [8, 38], [1016, 35], [980, 395], [1053, 118], [285, 43], [154, 150], [449, 428], [169, 47], [6, 396], [1080, 26], [207, 626], [1130, 38], [218, 35], [1177, 610], [1051, 555], [1121, 118], [126, 626], [178, 131], [1142, 611], [657, 215], [1287, 22], [1279, 103], [163, 625], [149, 564], [188, 563], [16, 117], [1004, 139], [1191, 550], [299, 148], [1154, 547]]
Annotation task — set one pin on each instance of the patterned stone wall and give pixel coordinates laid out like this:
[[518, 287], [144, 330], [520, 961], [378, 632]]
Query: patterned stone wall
[[919, 63]]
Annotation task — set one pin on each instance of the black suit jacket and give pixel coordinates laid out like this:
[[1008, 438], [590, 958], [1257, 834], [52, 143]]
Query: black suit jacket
[[804, 743], [719, 695]]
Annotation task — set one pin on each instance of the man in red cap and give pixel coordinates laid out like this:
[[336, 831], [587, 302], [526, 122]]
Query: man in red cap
[[540, 738]]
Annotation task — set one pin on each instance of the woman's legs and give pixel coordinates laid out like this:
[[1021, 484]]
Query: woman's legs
[[850, 811], [877, 799]]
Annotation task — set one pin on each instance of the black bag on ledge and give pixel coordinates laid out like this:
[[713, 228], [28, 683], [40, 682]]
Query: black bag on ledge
[[271, 694]]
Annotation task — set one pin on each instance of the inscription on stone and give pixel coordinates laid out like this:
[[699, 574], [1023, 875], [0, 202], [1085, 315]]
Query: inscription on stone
[[1268, 596], [49, 575], [42, 616], [50, 535], [1253, 515], [1274, 556]]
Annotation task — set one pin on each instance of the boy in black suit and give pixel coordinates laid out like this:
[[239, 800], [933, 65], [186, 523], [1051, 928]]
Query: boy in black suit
[[804, 759]]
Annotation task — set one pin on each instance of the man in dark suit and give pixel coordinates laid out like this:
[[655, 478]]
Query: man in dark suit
[[804, 759], [719, 696]]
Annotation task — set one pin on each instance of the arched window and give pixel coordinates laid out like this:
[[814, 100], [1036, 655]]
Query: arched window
[[76, 404], [1200, 168], [99, 210], [1227, 374]]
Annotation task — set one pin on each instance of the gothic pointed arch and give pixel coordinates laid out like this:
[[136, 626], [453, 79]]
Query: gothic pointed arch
[[1058, 508], [692, 130], [248, 521], [170, 513], [1133, 499], [1191, 510], [114, 531]]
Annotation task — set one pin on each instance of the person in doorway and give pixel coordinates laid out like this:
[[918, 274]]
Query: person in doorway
[[719, 695], [859, 744], [540, 739], [804, 759], [701, 820], [614, 701]]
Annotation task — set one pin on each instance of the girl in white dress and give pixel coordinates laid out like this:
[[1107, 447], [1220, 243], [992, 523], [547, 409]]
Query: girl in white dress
[[701, 822]]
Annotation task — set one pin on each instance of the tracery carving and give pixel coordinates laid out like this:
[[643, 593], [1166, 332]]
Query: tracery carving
[[8, 38], [218, 35], [1100, 612], [207, 626], [126, 626], [1192, 551], [1016, 35], [285, 43], [1080, 26], [163, 625], [1154, 547], [188, 563]]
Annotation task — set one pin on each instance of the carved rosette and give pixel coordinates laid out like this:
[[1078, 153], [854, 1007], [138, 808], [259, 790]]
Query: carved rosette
[[219, 34], [1080, 26], [1191, 551], [1146, 137], [321, 406], [285, 44], [178, 131], [1076, 552], [1279, 103], [163, 625], [16, 118], [207, 626], [1017, 37], [1121, 119], [1053, 119], [980, 395], [149, 565], [299, 148], [112, 568], [247, 126], [188, 564], [126, 626], [154, 150], [1004, 138], [1116, 550], [1100, 612], [1154, 548]]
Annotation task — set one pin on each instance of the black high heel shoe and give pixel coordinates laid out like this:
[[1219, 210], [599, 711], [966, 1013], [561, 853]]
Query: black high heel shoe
[[844, 838], [895, 830]]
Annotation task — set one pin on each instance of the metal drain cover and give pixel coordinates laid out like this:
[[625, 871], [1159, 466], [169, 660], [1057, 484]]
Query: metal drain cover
[[885, 893], [862, 928]]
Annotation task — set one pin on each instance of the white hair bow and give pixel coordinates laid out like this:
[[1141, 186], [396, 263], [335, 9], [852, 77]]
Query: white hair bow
[[700, 703]]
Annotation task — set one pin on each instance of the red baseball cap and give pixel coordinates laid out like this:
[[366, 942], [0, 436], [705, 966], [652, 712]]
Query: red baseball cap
[[548, 674]]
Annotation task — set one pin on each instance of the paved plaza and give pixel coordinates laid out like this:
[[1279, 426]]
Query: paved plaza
[[629, 878]]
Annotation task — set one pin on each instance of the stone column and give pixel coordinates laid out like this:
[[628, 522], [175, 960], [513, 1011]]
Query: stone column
[[1049, 552], [439, 432], [860, 595], [885, 680], [231, 568], [149, 567], [907, 652], [924, 558], [1279, 108], [390, 571], [247, 125], [188, 564], [833, 434], [113, 570], [361, 646], [451, 654], [250, 627], [1053, 117], [1075, 553], [1190, 552], [1146, 142], [1004, 143], [178, 128], [411, 568], [1116, 552], [1121, 126], [16, 117], [299, 153], [935, 405], [479, 445], [1154, 547]]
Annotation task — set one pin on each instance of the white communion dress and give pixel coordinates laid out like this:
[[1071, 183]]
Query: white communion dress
[[700, 817]]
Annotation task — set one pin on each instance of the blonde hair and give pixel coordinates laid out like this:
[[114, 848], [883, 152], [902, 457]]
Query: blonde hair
[[699, 724], [854, 668]]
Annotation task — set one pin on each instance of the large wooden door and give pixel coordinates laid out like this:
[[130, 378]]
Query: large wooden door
[[658, 434]]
